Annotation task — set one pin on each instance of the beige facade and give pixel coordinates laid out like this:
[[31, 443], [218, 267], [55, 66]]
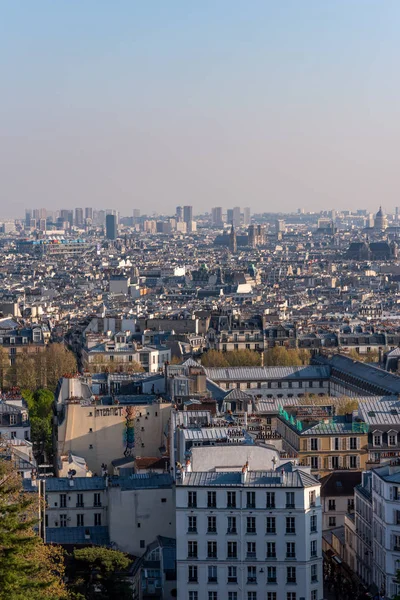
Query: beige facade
[[97, 433]]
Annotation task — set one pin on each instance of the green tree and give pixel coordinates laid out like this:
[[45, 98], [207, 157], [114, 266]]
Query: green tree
[[213, 358], [28, 568], [40, 406], [345, 405], [100, 573], [59, 362]]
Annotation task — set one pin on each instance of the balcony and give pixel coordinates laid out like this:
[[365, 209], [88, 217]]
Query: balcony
[[192, 530], [290, 506], [252, 555], [231, 530], [252, 580]]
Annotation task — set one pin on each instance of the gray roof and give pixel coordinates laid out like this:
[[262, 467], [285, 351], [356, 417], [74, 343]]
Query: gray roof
[[380, 411], [61, 484], [142, 481], [99, 536], [209, 433], [388, 382], [254, 479], [266, 373]]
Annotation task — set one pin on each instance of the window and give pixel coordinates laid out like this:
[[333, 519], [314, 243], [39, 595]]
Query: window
[[79, 520], [314, 594], [232, 574], [313, 524], [232, 596], [192, 574], [350, 504], [290, 500], [377, 440], [392, 440], [251, 550], [251, 500], [97, 500], [290, 550], [290, 595], [271, 596], [336, 444], [142, 544], [353, 443], [192, 499], [212, 549], [231, 500], [313, 548], [271, 550], [331, 504], [270, 499], [251, 595], [251, 525], [314, 443], [63, 520], [232, 525], [271, 575], [193, 596], [212, 595], [314, 575], [314, 462], [271, 525], [97, 519], [192, 549], [212, 499], [79, 500], [63, 500], [13, 419], [211, 524], [13, 435], [290, 525], [332, 521], [212, 574], [312, 497], [335, 462], [353, 462], [290, 574], [251, 574], [232, 549], [192, 524]]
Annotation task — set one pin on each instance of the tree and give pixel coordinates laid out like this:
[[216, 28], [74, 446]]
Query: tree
[[59, 361], [26, 372], [98, 572], [345, 405], [40, 404], [4, 366], [213, 358], [28, 568], [243, 358]]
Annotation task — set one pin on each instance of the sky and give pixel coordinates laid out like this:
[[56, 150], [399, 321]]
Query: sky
[[151, 104]]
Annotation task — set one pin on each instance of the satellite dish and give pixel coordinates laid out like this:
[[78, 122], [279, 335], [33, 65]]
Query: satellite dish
[[72, 472]]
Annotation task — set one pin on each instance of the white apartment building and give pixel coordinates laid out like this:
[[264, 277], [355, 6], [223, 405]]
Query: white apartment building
[[248, 535], [386, 528]]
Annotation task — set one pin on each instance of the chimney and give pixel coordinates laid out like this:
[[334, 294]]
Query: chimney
[[244, 473], [188, 466]]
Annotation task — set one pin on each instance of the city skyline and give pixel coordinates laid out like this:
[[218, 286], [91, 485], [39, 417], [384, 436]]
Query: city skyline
[[261, 106]]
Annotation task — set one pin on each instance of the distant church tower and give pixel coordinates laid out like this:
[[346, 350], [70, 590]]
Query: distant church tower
[[232, 240]]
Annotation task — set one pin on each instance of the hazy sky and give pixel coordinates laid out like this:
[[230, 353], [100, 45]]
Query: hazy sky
[[272, 104]]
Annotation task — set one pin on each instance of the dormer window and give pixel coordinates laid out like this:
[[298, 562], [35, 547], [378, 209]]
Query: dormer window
[[24, 340], [12, 340]]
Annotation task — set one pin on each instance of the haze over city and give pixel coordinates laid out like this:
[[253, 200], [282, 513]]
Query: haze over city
[[150, 105]]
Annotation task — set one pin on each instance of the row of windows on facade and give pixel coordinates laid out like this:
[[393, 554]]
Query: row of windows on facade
[[251, 549], [276, 384], [251, 525], [334, 462], [80, 520], [231, 500], [78, 500], [251, 595], [337, 443]]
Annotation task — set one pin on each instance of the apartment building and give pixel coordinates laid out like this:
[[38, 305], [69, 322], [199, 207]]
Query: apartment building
[[248, 535], [338, 442]]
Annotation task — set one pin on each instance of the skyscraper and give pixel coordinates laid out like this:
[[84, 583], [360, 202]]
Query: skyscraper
[[216, 216], [232, 240], [229, 216], [179, 214], [79, 217], [28, 217], [236, 216], [89, 213], [246, 216], [111, 227], [188, 214]]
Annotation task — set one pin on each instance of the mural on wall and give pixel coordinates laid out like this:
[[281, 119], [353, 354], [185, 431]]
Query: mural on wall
[[129, 433]]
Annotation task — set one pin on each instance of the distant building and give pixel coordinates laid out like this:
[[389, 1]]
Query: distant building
[[179, 214], [111, 227], [216, 218], [236, 216], [381, 222], [188, 214], [232, 240], [89, 213], [246, 216], [79, 217]]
